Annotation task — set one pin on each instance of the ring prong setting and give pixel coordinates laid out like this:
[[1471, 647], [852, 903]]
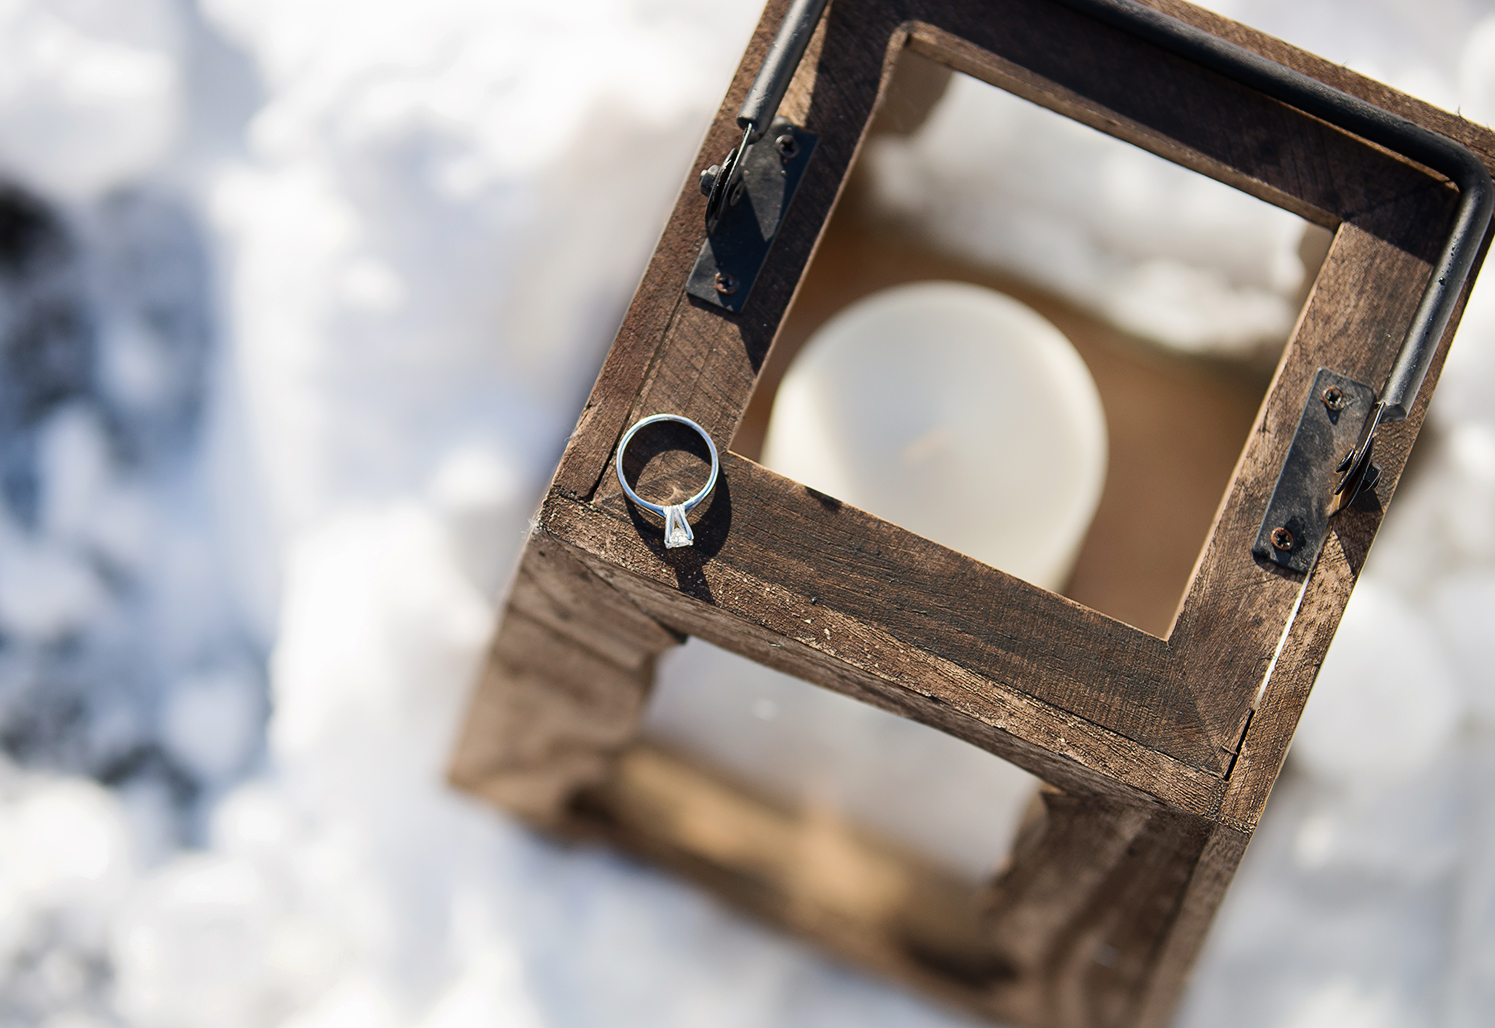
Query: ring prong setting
[[677, 531]]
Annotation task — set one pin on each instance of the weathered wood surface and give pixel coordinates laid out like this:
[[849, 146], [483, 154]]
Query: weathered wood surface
[[1163, 751], [878, 613], [564, 688], [1094, 890]]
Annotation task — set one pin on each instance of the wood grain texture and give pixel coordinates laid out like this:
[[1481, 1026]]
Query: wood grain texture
[[660, 294], [1083, 912], [1235, 607], [948, 640], [842, 653], [563, 689], [1160, 753], [1158, 990]]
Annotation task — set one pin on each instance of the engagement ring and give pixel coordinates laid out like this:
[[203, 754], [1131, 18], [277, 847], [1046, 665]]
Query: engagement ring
[[677, 531]]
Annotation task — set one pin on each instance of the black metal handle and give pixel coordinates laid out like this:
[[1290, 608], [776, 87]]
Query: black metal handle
[[1429, 148], [721, 182], [783, 58], [1395, 133]]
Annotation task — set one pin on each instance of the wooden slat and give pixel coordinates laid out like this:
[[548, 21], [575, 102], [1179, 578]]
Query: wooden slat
[[924, 647], [1134, 91], [762, 527], [555, 588], [660, 301], [1477, 137], [1084, 912], [1307, 638], [1208, 878]]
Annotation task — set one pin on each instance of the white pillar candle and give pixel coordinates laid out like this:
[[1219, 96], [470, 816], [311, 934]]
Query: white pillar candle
[[956, 412]]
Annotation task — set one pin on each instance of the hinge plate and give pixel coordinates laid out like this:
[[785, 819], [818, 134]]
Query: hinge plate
[[771, 173], [1301, 503]]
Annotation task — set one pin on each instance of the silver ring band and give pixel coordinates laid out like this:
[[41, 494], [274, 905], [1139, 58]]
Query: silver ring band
[[677, 530]]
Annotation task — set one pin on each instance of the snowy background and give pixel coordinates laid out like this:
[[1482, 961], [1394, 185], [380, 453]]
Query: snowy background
[[298, 302]]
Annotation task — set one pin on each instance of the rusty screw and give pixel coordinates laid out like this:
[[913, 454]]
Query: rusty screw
[[1334, 399], [787, 146], [1282, 539], [725, 284]]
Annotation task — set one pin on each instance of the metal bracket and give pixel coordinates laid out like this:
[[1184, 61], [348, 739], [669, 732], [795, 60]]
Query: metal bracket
[[1297, 519], [734, 252]]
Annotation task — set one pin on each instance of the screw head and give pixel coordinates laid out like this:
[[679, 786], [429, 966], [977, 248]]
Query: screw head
[[725, 284], [787, 146], [707, 181], [1334, 398], [1282, 539]]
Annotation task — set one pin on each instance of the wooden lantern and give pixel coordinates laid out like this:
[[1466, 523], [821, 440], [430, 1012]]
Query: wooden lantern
[[1158, 753]]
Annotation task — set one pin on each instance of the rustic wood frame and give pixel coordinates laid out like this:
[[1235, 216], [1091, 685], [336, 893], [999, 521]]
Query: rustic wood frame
[[1159, 753]]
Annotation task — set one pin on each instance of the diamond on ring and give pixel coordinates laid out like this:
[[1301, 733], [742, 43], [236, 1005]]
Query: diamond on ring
[[677, 531]]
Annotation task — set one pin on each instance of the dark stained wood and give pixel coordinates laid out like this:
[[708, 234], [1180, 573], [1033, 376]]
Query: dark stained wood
[[548, 718], [1160, 752], [863, 574], [563, 690], [839, 652], [1131, 90], [1231, 617], [1204, 888], [1091, 895], [555, 588]]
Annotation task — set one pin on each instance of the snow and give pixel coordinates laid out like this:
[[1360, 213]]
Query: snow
[[1386, 703], [90, 91], [306, 298], [1131, 236]]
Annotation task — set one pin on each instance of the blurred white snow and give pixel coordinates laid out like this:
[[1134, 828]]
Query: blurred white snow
[[90, 91], [339, 276]]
